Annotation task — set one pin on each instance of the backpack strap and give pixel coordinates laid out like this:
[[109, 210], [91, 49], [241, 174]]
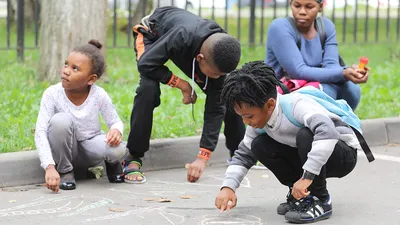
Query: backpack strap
[[320, 27], [298, 37], [364, 145], [286, 105], [284, 88]]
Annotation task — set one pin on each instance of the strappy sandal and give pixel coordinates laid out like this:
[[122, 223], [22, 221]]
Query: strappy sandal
[[128, 171]]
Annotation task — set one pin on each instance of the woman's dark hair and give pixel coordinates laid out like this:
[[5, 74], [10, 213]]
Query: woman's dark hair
[[252, 85], [92, 50]]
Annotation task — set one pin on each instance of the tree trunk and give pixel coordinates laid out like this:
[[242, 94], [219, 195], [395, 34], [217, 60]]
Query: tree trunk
[[66, 24], [138, 12], [137, 15]]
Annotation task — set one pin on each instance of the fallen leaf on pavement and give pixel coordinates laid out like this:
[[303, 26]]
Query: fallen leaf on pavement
[[13, 189], [163, 200], [393, 145], [115, 210], [188, 197], [150, 199]]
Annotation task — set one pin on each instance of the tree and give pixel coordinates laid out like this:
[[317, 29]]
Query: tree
[[138, 14], [64, 25]]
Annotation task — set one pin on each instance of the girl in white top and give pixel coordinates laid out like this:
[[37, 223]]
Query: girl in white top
[[68, 131]]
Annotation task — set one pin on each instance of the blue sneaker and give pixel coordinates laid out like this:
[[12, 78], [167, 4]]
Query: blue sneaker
[[310, 210]]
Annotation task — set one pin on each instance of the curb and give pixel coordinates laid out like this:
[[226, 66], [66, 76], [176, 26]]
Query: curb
[[22, 168]]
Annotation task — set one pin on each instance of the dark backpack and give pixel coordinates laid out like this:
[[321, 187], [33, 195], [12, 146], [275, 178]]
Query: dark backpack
[[320, 27]]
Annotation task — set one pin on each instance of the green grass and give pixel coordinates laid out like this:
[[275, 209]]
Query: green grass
[[21, 91]]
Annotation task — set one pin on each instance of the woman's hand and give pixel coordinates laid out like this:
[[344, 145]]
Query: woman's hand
[[356, 75]]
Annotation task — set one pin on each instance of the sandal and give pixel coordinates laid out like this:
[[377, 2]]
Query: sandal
[[128, 171]]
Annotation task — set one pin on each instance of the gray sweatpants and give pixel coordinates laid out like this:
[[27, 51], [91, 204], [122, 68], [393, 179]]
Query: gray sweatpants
[[69, 153]]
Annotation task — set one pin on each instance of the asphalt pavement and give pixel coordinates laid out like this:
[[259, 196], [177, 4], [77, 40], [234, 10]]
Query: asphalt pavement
[[369, 195]]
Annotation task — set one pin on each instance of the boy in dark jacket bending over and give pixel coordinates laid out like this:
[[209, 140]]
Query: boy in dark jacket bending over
[[205, 53]]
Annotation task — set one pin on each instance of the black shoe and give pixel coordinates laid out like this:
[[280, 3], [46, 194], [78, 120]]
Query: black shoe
[[67, 181], [290, 204], [310, 210], [114, 172]]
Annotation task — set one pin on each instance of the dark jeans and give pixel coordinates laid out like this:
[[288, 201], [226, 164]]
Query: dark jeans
[[147, 98], [286, 162]]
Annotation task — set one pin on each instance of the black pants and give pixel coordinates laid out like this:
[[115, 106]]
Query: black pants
[[286, 162], [147, 98]]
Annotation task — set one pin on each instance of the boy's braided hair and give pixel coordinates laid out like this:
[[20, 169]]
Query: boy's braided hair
[[251, 85]]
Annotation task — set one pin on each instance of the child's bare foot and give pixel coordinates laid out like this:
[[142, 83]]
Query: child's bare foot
[[133, 173]]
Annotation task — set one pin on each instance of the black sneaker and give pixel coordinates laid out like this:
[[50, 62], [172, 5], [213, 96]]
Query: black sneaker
[[290, 204], [310, 210], [67, 181], [114, 172]]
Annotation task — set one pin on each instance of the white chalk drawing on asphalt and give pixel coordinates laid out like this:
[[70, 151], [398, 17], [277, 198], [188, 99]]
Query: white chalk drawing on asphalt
[[235, 219], [67, 206], [61, 209], [39, 203], [94, 205], [156, 191], [37, 199], [173, 219], [245, 183]]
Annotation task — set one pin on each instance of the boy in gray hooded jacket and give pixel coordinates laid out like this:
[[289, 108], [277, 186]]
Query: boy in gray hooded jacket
[[300, 158]]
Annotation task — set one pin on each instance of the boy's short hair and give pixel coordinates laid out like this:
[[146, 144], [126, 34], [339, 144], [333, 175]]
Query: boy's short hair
[[225, 53]]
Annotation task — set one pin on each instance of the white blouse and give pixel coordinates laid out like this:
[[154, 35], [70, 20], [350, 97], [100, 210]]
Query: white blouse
[[85, 116]]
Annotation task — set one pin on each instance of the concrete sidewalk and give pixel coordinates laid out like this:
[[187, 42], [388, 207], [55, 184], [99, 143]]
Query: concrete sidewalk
[[23, 168], [367, 196]]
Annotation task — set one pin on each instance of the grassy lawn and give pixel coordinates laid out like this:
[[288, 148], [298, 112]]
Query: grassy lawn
[[21, 92]]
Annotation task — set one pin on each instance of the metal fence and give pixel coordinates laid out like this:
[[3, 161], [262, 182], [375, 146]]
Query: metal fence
[[356, 21]]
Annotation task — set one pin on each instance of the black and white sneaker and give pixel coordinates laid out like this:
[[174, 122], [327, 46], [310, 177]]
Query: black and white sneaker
[[290, 204], [310, 210]]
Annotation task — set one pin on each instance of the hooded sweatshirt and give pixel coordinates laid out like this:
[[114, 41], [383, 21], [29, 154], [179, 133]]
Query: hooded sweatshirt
[[177, 35]]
